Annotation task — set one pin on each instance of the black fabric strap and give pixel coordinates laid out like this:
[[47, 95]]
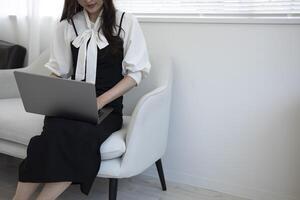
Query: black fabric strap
[[74, 27], [121, 23]]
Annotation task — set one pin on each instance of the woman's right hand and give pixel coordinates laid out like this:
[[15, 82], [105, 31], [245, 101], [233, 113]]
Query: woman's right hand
[[54, 75]]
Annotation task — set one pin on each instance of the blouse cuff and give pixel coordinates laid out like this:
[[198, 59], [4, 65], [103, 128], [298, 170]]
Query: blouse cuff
[[52, 68], [137, 76]]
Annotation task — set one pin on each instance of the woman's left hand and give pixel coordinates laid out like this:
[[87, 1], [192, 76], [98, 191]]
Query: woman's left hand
[[100, 103]]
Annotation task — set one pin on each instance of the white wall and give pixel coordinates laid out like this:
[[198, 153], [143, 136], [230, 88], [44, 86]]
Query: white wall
[[235, 120]]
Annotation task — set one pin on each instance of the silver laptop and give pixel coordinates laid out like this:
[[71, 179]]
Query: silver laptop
[[60, 97]]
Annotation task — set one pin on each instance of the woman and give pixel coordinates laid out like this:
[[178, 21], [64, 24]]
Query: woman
[[96, 43]]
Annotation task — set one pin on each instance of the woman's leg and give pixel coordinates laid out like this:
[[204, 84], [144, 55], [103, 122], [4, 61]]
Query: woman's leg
[[51, 191], [25, 190]]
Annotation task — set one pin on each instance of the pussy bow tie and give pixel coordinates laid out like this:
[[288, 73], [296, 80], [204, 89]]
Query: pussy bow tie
[[87, 54]]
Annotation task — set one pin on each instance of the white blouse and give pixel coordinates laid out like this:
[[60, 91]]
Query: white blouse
[[135, 64]]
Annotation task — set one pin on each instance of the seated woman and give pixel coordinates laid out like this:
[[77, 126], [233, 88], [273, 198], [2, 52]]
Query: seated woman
[[96, 43]]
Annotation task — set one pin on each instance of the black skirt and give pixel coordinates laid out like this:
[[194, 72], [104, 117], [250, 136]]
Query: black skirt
[[67, 150]]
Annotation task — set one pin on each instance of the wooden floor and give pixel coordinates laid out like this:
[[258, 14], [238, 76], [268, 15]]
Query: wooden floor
[[137, 188]]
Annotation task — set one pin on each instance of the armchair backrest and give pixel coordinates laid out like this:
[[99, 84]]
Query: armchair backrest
[[160, 75]]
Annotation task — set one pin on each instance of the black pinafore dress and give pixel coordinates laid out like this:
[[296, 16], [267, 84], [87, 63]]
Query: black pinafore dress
[[69, 150]]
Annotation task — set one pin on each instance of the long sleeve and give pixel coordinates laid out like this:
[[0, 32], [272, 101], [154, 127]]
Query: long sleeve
[[60, 52], [136, 61]]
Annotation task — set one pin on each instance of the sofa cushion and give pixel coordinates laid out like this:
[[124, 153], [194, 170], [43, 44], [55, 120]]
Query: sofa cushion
[[19, 126], [11, 55]]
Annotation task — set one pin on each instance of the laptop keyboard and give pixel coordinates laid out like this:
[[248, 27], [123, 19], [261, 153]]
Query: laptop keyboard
[[100, 113]]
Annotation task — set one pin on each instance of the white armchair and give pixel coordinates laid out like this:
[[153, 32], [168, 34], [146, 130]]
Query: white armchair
[[128, 152], [147, 131]]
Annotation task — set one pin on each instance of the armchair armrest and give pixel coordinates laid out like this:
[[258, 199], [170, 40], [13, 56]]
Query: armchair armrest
[[147, 134]]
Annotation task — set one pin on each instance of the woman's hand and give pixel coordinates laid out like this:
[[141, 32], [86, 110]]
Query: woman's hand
[[100, 103], [54, 75], [119, 89]]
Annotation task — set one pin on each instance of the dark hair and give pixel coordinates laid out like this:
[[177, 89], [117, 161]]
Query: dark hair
[[108, 18]]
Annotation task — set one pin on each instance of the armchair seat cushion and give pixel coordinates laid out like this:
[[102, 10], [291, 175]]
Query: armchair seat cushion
[[17, 125]]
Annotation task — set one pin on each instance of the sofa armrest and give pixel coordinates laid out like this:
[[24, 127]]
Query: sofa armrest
[[8, 85]]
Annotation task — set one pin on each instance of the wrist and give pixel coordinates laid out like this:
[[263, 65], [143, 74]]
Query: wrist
[[101, 101]]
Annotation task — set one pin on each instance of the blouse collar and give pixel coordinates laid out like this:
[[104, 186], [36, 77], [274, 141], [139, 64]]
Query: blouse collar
[[88, 21], [88, 42]]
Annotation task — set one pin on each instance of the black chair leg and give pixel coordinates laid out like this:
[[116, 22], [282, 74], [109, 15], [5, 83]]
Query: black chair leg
[[113, 188], [161, 174]]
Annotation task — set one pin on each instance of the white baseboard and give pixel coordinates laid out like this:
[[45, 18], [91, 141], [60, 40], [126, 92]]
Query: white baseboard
[[235, 190]]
